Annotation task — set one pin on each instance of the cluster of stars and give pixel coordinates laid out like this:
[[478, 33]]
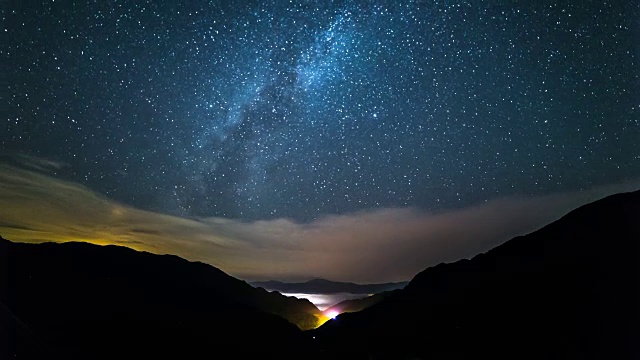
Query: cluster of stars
[[273, 109]]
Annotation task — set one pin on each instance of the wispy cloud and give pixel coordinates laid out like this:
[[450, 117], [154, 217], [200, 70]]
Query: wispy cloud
[[378, 245], [33, 162]]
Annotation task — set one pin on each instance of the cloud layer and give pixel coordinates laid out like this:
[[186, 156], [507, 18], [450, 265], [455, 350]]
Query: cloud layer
[[387, 244]]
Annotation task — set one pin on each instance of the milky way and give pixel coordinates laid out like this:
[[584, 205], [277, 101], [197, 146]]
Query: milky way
[[274, 109]]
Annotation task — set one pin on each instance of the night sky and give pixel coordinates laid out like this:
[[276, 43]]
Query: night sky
[[275, 111]]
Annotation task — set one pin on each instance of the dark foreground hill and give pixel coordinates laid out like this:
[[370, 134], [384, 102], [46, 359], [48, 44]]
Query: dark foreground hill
[[322, 286], [570, 290], [78, 300]]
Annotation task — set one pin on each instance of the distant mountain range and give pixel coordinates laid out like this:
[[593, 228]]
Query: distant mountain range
[[569, 290], [355, 305], [322, 286]]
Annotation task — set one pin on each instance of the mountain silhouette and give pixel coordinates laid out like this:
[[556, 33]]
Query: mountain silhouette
[[78, 300], [322, 286], [568, 290], [355, 305]]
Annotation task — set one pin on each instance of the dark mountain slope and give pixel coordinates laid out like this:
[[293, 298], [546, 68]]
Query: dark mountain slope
[[87, 301], [322, 286], [568, 290]]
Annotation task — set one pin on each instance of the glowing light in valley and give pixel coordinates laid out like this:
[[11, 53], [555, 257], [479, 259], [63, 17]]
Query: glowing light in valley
[[332, 314], [325, 301]]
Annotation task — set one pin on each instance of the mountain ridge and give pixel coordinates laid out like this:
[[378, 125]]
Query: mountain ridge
[[355, 305], [323, 286], [79, 300], [570, 289]]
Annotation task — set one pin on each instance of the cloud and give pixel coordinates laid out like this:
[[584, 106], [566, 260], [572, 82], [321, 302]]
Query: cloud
[[386, 244], [33, 162]]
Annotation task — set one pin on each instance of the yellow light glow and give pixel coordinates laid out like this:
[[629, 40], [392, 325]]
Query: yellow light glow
[[321, 320]]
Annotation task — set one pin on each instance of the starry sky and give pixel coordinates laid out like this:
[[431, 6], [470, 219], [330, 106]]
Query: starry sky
[[258, 112]]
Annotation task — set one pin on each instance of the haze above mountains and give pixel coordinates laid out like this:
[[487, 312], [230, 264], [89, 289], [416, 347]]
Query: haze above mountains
[[550, 293], [322, 286]]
